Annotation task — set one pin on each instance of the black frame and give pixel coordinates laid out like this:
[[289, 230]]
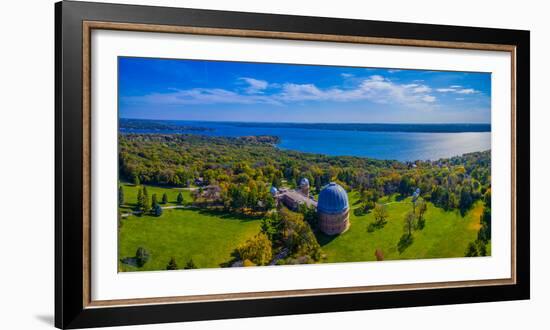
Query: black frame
[[69, 307]]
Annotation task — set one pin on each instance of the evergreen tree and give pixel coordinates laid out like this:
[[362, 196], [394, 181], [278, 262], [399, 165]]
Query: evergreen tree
[[172, 265], [140, 200], [190, 265], [146, 206], [142, 256], [120, 196], [180, 198], [164, 198], [154, 201], [136, 180]]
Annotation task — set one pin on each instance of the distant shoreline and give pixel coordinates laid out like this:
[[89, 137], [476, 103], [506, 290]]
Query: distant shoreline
[[366, 127]]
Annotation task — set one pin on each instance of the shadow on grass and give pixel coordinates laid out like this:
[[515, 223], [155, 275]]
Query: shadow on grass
[[404, 242], [131, 261], [324, 239], [376, 225]]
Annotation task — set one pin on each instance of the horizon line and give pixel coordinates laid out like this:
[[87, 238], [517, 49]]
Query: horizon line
[[305, 122]]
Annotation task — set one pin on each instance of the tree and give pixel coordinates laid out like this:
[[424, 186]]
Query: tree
[[146, 205], [380, 214], [406, 186], [471, 251], [157, 210], [269, 202], [190, 265], [172, 265], [257, 249], [297, 235], [136, 180], [179, 199], [142, 256], [164, 198], [120, 195], [154, 201], [465, 199], [421, 208], [409, 223], [139, 199]]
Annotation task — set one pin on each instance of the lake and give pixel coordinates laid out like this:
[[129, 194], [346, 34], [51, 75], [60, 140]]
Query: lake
[[403, 142]]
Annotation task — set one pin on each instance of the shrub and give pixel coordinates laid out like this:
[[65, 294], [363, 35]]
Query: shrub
[[157, 210], [379, 255]]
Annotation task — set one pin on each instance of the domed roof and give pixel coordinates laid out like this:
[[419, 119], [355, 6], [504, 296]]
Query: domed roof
[[333, 199], [304, 182]]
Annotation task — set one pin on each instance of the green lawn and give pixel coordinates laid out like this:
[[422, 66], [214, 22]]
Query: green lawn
[[446, 234], [208, 237], [130, 195]]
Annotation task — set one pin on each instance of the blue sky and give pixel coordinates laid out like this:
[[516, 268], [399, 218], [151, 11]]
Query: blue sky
[[262, 92]]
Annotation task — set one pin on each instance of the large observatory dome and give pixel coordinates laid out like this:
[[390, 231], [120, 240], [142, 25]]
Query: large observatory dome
[[333, 199]]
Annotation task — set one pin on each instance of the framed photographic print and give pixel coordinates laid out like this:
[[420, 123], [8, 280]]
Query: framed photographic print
[[218, 164]]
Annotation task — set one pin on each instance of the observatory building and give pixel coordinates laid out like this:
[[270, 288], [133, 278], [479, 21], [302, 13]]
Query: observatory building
[[293, 198], [333, 209]]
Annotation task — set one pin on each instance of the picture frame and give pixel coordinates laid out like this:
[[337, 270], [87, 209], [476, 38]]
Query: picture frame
[[74, 304]]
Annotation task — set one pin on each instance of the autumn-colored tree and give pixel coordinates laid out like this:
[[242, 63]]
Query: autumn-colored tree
[[380, 214], [257, 249]]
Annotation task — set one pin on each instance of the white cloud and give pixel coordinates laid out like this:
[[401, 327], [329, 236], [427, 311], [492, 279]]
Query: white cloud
[[346, 75], [466, 91], [255, 86], [394, 71], [457, 89], [422, 89], [428, 98], [375, 88], [200, 96], [445, 90]]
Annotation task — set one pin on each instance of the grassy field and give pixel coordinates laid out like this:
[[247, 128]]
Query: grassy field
[[446, 234], [207, 237], [130, 195]]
